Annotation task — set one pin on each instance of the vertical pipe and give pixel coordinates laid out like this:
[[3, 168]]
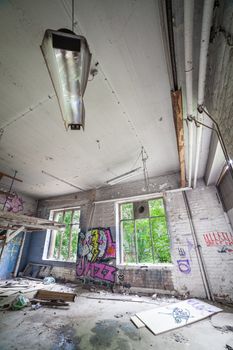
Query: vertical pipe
[[198, 252], [188, 53], [205, 36]]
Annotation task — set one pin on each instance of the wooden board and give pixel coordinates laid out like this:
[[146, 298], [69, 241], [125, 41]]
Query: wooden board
[[51, 295], [172, 316]]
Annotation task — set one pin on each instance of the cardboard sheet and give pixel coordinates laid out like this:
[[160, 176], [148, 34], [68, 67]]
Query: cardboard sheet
[[172, 316]]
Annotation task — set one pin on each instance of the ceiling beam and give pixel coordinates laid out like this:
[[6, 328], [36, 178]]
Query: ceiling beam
[[178, 120]]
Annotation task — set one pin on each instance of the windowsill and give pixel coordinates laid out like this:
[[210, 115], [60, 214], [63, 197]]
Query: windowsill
[[144, 266], [60, 261]]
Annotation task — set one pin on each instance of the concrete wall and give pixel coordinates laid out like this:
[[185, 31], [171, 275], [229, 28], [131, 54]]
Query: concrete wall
[[16, 203], [183, 275]]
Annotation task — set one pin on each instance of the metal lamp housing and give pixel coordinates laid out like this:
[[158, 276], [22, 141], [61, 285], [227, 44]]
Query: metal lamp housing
[[68, 60]]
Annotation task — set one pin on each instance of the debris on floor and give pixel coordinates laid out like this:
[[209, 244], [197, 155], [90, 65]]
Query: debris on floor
[[176, 315], [52, 295], [36, 271], [18, 289]]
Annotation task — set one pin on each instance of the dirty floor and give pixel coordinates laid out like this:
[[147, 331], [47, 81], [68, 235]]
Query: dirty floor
[[105, 324]]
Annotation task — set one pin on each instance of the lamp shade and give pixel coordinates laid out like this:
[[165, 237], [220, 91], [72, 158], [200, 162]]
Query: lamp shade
[[68, 60]]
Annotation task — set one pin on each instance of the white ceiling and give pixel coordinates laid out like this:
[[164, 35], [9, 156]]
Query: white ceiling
[[127, 104]]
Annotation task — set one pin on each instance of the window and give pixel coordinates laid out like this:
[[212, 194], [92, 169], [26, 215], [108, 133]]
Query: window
[[62, 244], [144, 236]]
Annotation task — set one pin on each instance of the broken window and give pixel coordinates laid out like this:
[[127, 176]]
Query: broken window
[[63, 243], [144, 235]]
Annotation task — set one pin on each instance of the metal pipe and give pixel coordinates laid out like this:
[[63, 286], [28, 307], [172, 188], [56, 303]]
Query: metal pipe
[[205, 36], [200, 259], [188, 53], [171, 42]]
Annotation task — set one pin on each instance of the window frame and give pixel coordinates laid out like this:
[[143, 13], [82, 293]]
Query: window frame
[[119, 234], [49, 232]]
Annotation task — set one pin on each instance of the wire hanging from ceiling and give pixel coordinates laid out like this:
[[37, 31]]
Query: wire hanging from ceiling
[[145, 157]]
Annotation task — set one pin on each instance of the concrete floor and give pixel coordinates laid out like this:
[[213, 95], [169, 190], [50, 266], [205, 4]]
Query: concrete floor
[[103, 324]]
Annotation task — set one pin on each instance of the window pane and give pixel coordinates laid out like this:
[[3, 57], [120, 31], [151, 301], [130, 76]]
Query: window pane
[[58, 215], [127, 229], [57, 243], [144, 241], [74, 243], [161, 240], [156, 207], [127, 211], [76, 217]]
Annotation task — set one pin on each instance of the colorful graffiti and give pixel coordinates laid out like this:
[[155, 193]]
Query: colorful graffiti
[[218, 238], [183, 264], [96, 270], [225, 249], [96, 255], [179, 314], [13, 203]]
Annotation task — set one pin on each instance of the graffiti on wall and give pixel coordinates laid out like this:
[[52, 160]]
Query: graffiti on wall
[[214, 239], [225, 249], [183, 263], [96, 255], [13, 203]]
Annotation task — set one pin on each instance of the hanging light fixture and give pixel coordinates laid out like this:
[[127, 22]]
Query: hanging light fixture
[[68, 59], [124, 176]]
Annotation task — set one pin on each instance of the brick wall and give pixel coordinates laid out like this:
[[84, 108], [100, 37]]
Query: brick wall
[[183, 275]]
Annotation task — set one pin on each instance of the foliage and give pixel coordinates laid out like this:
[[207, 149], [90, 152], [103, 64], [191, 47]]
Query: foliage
[[62, 241], [145, 240]]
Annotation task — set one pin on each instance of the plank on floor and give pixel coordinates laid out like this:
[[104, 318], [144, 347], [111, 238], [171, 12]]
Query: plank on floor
[[176, 315], [138, 323]]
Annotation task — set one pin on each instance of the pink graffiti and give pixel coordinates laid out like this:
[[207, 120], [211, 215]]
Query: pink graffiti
[[218, 238], [13, 204], [96, 270], [111, 246]]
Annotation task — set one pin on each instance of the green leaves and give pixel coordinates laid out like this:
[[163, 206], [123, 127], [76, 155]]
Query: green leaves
[[145, 240]]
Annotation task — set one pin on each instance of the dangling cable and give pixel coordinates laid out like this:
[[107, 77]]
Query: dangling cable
[[145, 172]]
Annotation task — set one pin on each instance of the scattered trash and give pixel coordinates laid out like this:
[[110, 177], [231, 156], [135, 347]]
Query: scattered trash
[[36, 306], [49, 280], [19, 302], [50, 295], [154, 296], [118, 315]]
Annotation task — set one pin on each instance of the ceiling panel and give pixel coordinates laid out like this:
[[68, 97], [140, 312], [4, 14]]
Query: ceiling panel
[[127, 104]]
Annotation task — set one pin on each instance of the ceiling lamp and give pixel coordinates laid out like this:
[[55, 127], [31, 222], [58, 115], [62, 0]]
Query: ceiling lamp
[[124, 176], [68, 59]]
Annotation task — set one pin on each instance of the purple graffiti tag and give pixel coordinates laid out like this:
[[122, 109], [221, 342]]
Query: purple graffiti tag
[[198, 305], [181, 252], [14, 203], [184, 266]]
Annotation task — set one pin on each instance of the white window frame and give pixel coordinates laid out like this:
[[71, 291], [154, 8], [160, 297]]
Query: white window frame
[[119, 245], [49, 232]]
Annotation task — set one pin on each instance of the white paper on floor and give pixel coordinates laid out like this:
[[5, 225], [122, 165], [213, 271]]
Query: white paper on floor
[[172, 316]]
